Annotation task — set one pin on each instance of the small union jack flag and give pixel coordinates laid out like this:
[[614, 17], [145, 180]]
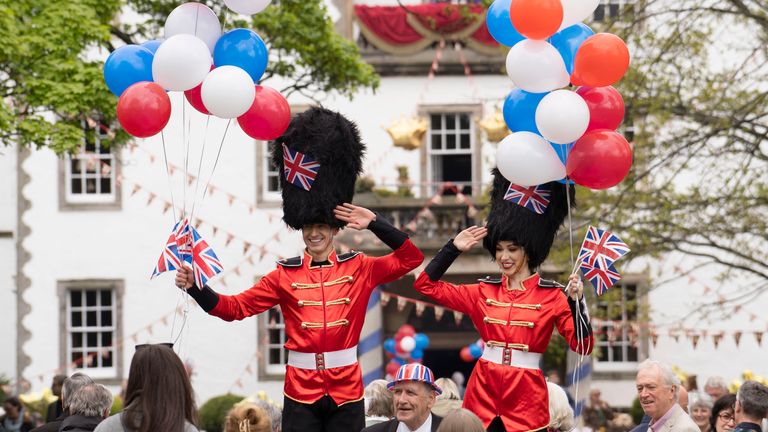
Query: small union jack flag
[[601, 248], [183, 240], [534, 198], [205, 263], [601, 279], [169, 259], [300, 169]]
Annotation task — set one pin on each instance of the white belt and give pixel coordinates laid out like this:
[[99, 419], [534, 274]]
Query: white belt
[[320, 361], [512, 357]]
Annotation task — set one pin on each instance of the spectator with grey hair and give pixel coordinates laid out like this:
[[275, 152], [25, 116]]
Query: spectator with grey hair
[[273, 411], [449, 400], [716, 387], [378, 402], [701, 411], [71, 386], [560, 412], [461, 420], [87, 408], [657, 388], [751, 407]]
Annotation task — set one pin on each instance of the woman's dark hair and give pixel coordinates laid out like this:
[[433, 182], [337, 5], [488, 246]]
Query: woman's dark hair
[[725, 402], [158, 396], [14, 401]]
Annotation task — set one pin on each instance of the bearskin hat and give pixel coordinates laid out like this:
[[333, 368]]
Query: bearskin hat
[[534, 232], [334, 142]]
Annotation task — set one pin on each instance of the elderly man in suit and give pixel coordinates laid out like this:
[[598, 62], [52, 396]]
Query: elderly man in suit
[[414, 391], [657, 388]]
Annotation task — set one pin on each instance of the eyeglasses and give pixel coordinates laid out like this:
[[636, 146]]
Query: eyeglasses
[[726, 417]]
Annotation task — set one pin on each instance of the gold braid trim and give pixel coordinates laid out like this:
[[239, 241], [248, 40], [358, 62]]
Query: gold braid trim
[[310, 325], [517, 346], [492, 302], [341, 301], [521, 324], [527, 306], [489, 320], [339, 281]]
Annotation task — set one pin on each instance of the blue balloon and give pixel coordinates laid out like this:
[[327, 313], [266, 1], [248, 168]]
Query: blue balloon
[[499, 24], [152, 45], [562, 151], [422, 341], [417, 354], [389, 345], [475, 350], [520, 110], [126, 66], [400, 361], [242, 48], [568, 40]]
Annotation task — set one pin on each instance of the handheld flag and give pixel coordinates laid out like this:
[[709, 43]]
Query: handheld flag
[[300, 169], [533, 198], [169, 259], [183, 240], [601, 249], [601, 279], [205, 263]]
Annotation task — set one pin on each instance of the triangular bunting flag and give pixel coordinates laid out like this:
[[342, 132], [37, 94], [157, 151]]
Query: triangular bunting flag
[[439, 311], [737, 338]]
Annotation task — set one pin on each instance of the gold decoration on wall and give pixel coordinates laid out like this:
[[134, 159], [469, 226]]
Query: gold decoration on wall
[[407, 132], [494, 126]]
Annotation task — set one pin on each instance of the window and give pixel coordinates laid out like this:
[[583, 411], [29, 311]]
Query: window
[[90, 319], [272, 341], [616, 341], [271, 178], [609, 10], [450, 144], [90, 174]]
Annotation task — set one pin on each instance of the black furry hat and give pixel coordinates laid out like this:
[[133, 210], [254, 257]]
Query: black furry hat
[[533, 232], [334, 142]]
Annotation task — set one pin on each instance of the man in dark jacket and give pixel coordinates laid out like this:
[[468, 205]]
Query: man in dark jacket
[[55, 409], [751, 406], [71, 386], [414, 393], [87, 408]]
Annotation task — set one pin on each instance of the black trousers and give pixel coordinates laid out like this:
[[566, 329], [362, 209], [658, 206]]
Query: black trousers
[[498, 426], [323, 416]]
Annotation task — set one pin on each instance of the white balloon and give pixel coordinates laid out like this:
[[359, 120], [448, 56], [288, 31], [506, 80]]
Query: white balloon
[[407, 344], [247, 7], [562, 117], [228, 92], [536, 66], [527, 159], [195, 19], [576, 11], [181, 63]]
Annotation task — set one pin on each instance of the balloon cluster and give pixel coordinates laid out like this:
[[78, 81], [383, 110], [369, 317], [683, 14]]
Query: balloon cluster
[[559, 132], [218, 73], [472, 351], [406, 347]]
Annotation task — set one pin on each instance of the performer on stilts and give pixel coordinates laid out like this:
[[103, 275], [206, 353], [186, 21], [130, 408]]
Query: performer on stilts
[[516, 313], [323, 295]]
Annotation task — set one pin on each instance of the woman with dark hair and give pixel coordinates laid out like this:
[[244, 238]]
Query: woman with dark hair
[[723, 414], [516, 313], [158, 396], [16, 419]]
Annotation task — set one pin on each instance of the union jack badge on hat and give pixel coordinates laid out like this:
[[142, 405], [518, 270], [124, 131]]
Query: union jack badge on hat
[[415, 372]]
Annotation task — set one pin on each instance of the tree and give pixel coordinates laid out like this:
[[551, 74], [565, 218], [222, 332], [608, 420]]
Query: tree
[[52, 85]]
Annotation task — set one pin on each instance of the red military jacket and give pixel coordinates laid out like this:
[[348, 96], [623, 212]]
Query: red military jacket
[[521, 318], [324, 308]]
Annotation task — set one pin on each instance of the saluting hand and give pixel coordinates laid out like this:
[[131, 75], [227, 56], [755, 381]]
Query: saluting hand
[[575, 287], [184, 277], [468, 238], [355, 217]]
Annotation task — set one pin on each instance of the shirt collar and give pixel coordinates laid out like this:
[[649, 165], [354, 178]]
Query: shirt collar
[[425, 427], [656, 426], [748, 426]]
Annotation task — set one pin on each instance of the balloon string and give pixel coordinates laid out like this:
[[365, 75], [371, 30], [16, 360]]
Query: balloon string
[[186, 154], [216, 162], [200, 166], [168, 174]]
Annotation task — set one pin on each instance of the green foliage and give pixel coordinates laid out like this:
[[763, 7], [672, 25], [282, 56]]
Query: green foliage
[[213, 412], [555, 357], [117, 405], [5, 388], [636, 411]]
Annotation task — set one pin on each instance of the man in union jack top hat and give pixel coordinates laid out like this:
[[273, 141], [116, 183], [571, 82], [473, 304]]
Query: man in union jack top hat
[[515, 313], [323, 295]]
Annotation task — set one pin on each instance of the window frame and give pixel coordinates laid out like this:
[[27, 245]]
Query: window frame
[[98, 201], [267, 370], [606, 6], [108, 375]]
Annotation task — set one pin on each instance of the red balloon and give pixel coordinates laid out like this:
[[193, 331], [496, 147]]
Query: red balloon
[[268, 116], [144, 109], [599, 159], [195, 99], [406, 330], [600, 61], [606, 107], [536, 19], [466, 355], [392, 368]]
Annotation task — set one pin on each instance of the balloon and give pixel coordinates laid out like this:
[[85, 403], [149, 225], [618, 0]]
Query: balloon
[[247, 7], [520, 110], [195, 98], [562, 117], [422, 341], [475, 351], [389, 345], [527, 159], [406, 330], [536, 19], [242, 48], [600, 159], [194, 19], [181, 63], [562, 151], [606, 107], [392, 368], [466, 355], [568, 40], [576, 11], [152, 45], [144, 109], [417, 354], [228, 92], [499, 25], [268, 117], [536, 67], [600, 61], [407, 343], [400, 361], [126, 66]]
